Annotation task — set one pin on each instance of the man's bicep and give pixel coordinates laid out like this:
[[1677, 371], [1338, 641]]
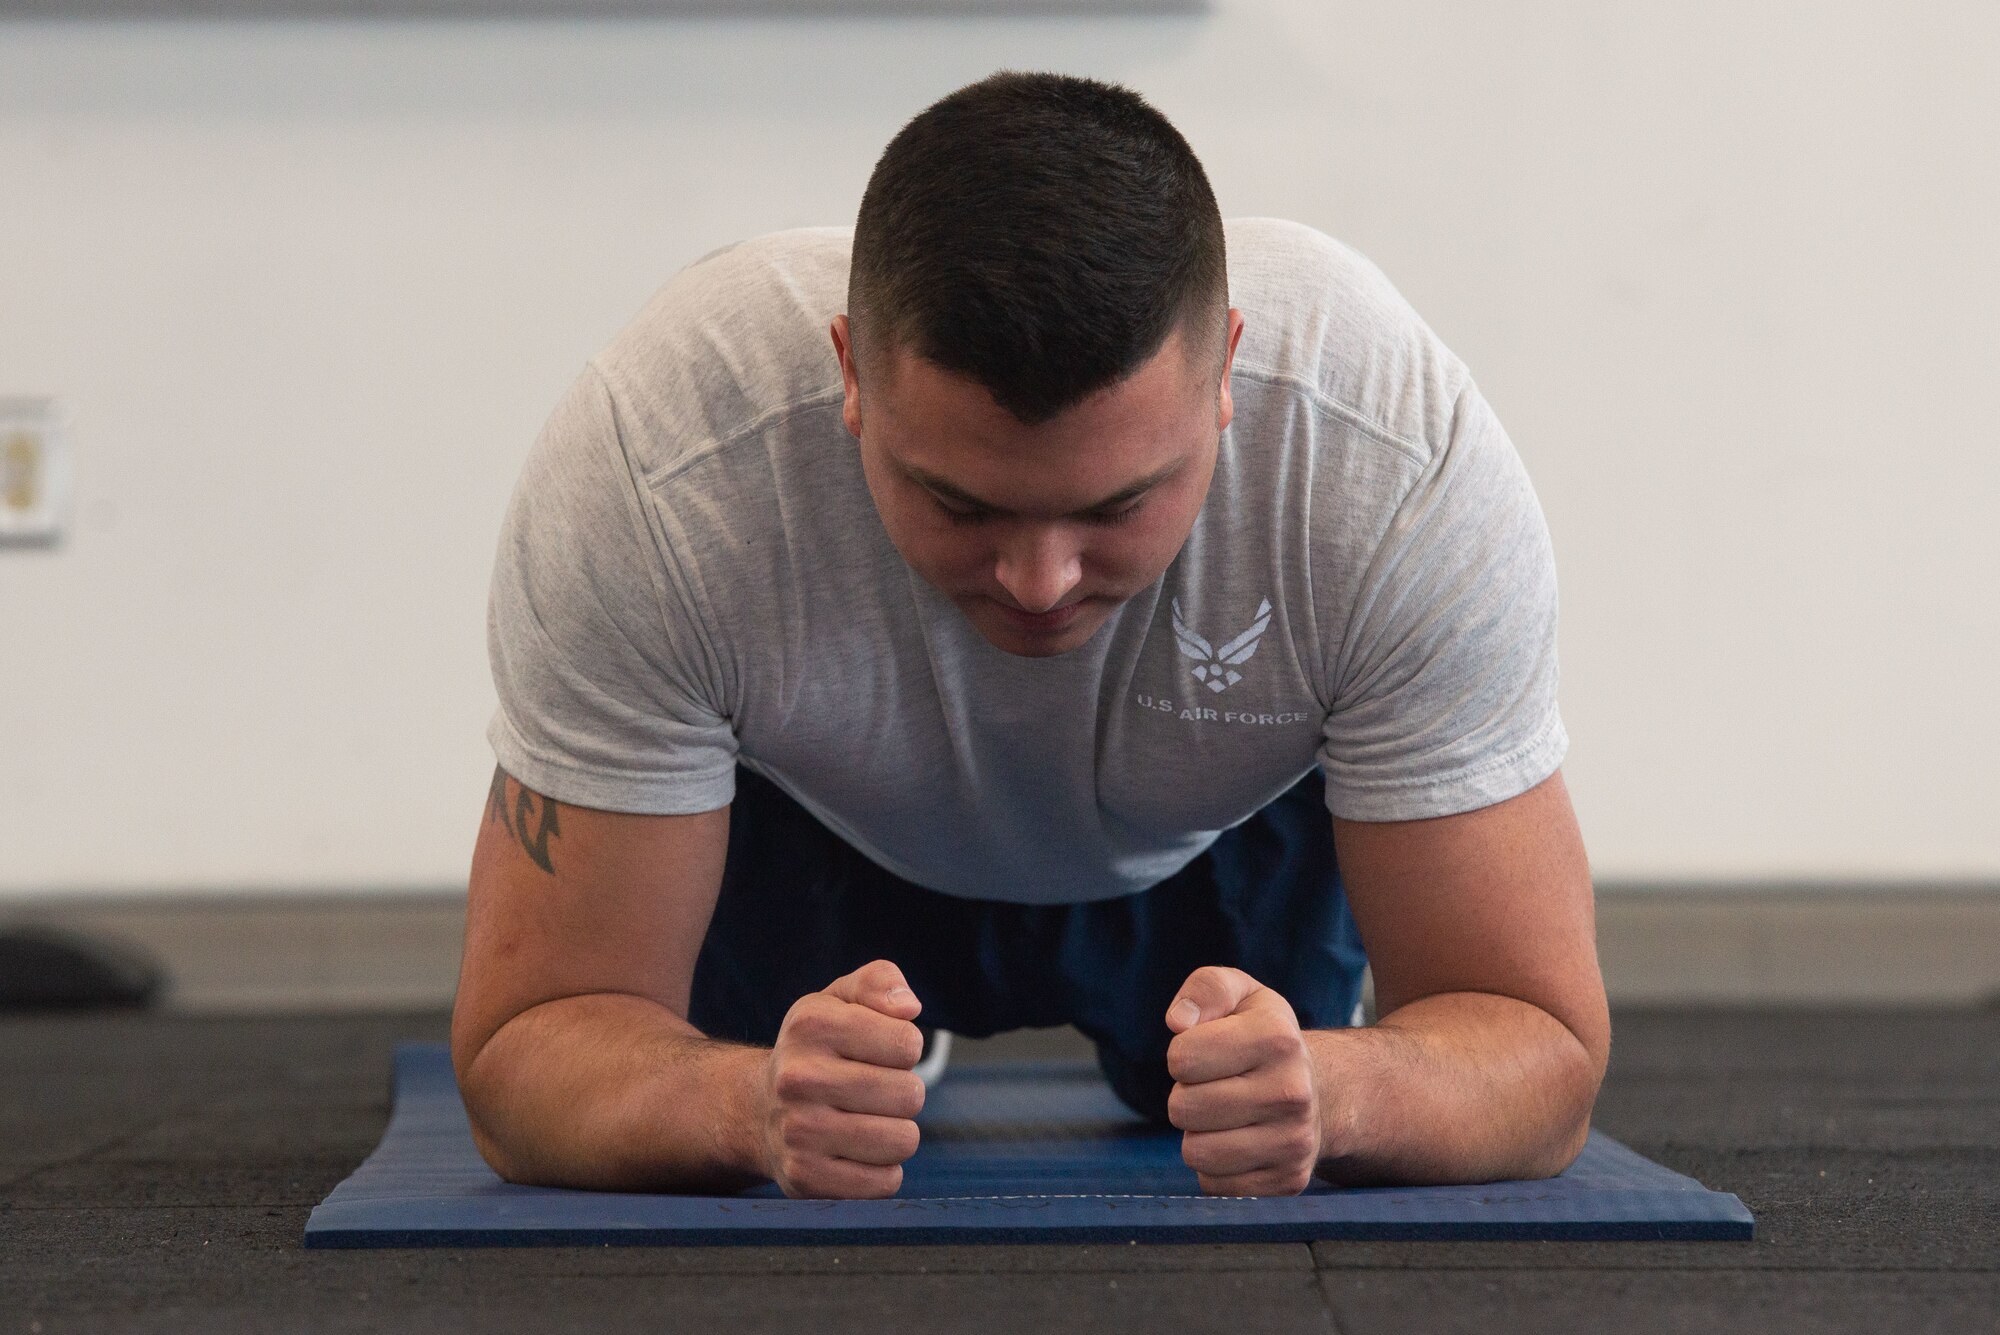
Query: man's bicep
[[1495, 900], [566, 900]]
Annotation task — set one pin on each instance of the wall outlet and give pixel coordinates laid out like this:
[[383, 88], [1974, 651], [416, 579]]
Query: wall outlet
[[34, 471]]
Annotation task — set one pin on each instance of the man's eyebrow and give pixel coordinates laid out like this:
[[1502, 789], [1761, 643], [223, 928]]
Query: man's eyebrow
[[946, 491]]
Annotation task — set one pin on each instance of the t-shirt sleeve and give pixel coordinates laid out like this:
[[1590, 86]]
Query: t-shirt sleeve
[[609, 691], [1444, 698]]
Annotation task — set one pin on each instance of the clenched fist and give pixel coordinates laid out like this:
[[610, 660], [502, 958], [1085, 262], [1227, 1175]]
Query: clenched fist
[[1244, 1090], [840, 1097]]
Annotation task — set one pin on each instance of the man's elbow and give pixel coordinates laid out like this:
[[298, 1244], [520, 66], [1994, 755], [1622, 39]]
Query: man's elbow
[[476, 1090], [1564, 1151], [1583, 1064], [1562, 1140], [491, 1148], [497, 1158]]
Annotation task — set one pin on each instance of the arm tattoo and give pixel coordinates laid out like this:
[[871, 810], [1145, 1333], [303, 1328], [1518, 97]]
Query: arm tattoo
[[527, 807]]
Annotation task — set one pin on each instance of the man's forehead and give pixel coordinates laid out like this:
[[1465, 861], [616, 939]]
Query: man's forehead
[[945, 432]]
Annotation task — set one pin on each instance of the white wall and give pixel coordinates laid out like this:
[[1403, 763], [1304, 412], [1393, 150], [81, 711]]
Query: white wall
[[1727, 272]]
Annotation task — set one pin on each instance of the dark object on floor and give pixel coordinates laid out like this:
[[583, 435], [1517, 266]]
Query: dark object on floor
[[1038, 1152], [49, 968]]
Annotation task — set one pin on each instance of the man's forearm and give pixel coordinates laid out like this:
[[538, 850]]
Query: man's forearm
[[613, 1092], [1458, 1087]]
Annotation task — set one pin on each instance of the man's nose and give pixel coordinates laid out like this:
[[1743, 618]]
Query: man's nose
[[1038, 567]]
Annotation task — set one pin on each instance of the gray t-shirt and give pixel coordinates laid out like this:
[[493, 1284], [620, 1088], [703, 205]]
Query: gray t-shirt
[[692, 573]]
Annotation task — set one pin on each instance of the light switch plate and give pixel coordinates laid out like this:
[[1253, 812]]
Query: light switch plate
[[34, 471]]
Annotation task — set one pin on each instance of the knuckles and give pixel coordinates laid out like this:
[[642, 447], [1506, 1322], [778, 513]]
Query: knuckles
[[1293, 1095], [1276, 1043], [823, 1021], [912, 1040], [1215, 980], [1268, 1041], [910, 1101], [802, 1126], [813, 1019], [815, 1149], [1261, 1182], [1272, 1182], [816, 1129], [800, 1082], [808, 1176], [903, 1138], [879, 974]]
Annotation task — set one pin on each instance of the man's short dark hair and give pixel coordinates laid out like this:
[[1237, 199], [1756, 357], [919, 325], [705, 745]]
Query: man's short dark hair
[[1041, 234]]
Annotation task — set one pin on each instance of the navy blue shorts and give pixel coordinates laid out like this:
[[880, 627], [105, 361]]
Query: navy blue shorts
[[799, 907]]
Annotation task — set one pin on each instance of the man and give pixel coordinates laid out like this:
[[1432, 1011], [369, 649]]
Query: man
[[1023, 658]]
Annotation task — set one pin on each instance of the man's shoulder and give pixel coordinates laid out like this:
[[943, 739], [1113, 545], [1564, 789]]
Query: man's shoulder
[[1324, 323], [729, 342]]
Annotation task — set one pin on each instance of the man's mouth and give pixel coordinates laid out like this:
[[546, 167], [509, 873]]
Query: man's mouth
[[1056, 618]]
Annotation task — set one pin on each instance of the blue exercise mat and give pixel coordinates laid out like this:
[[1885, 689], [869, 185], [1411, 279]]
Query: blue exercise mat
[[1021, 1152]]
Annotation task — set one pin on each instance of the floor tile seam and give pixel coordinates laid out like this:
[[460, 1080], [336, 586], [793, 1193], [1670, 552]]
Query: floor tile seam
[[7, 1207], [1807, 1147], [23, 1210], [256, 1207], [1295, 1258], [864, 1272], [1710, 1077], [1807, 1268], [1327, 1304], [82, 1156], [1915, 1088]]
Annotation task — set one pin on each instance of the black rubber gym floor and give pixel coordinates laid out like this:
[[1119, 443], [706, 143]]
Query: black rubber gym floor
[[158, 1170]]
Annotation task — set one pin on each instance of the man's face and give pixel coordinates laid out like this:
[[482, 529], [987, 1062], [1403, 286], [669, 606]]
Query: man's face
[[1038, 532]]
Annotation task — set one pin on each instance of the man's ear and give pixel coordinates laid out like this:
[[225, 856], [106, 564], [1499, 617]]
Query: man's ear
[[850, 376], [1225, 407]]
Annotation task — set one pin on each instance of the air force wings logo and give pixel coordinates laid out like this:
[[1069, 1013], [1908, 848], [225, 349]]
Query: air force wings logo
[[1215, 666]]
